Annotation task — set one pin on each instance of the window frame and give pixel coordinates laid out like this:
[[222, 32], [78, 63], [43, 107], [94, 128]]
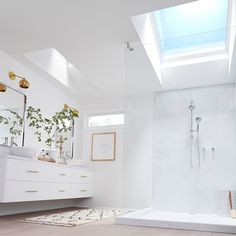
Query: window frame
[[103, 113]]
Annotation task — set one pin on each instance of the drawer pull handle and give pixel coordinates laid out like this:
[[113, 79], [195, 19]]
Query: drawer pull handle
[[62, 174], [83, 190], [33, 171], [31, 191], [84, 176], [61, 191]]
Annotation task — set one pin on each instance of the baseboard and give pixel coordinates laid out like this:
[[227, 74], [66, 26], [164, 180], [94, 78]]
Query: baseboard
[[24, 207]]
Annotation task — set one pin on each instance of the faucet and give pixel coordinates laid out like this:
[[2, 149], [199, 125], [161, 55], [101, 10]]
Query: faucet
[[5, 142], [13, 142]]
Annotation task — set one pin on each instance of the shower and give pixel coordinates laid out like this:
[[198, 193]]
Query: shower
[[195, 139], [198, 120]]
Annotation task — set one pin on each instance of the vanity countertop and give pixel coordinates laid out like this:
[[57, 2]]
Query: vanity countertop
[[47, 163]]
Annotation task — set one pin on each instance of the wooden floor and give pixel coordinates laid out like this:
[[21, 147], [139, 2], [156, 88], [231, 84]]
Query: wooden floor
[[10, 226]]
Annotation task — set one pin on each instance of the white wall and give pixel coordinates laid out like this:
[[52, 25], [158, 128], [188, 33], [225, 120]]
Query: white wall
[[107, 174], [177, 186], [138, 152], [126, 182], [42, 94]]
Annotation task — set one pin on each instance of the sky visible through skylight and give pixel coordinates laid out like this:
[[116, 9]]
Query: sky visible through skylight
[[194, 26]]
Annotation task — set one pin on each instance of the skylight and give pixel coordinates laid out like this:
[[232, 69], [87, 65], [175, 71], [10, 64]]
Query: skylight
[[193, 27]]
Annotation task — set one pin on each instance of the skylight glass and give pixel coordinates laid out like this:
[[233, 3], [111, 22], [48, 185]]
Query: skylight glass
[[188, 28]]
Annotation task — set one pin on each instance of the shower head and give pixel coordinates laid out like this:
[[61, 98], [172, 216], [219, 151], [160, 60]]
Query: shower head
[[198, 119]]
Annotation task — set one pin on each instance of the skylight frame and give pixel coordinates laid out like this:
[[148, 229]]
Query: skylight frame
[[145, 27], [196, 52]]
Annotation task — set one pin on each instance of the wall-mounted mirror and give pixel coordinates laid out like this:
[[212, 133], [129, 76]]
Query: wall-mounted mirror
[[12, 110]]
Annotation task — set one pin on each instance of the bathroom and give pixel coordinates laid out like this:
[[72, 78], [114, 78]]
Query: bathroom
[[164, 104]]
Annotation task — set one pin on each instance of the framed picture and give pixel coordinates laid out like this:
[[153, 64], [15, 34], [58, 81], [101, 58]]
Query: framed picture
[[103, 146]]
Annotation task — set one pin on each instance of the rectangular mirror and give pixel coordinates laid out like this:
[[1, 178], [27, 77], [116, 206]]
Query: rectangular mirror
[[12, 112]]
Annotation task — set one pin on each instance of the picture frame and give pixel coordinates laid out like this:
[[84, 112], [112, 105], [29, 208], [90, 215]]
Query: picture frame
[[103, 147]]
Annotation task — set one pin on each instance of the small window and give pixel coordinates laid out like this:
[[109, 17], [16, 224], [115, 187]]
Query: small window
[[106, 120]]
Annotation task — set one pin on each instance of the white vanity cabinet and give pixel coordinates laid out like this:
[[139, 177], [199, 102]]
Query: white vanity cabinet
[[28, 180]]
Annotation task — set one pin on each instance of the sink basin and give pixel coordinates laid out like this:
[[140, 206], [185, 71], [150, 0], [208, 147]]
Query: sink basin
[[23, 152]]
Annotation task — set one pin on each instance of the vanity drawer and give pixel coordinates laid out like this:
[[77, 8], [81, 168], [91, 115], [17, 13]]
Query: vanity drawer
[[60, 174], [17, 191], [27, 171], [81, 190], [60, 191], [81, 176]]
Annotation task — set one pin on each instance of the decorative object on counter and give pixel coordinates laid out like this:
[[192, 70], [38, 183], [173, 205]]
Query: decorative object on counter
[[75, 218], [23, 83], [46, 156], [60, 123], [103, 146]]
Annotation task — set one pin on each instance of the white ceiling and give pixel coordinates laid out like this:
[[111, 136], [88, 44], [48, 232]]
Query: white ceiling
[[90, 34]]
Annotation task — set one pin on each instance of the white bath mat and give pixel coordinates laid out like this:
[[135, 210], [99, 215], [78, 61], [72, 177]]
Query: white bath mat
[[75, 217]]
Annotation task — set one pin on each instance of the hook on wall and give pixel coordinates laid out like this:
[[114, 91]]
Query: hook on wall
[[128, 46]]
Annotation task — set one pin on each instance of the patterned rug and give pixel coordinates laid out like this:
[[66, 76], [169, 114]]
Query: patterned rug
[[75, 217]]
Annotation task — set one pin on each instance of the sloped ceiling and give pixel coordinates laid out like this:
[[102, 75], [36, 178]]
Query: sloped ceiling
[[90, 34]]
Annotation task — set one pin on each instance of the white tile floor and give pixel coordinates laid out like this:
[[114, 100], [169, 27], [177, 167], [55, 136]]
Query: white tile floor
[[178, 220]]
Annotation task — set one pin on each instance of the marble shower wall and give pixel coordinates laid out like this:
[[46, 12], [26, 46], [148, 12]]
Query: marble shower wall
[[177, 187]]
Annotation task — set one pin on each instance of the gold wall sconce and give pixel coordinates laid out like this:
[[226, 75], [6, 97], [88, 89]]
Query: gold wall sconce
[[3, 88], [23, 83]]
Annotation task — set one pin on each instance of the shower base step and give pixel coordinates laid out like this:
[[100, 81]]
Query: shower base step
[[178, 220]]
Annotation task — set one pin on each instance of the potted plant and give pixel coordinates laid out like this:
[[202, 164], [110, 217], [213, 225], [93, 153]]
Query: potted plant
[[61, 122]]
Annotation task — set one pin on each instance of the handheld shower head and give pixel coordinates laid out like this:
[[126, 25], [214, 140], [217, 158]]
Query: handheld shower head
[[198, 119]]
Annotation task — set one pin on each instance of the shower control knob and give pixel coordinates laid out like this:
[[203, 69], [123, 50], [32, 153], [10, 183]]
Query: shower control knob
[[213, 149]]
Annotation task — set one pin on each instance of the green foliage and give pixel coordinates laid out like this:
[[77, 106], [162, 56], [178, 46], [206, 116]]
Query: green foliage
[[4, 120], [15, 123], [56, 125]]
